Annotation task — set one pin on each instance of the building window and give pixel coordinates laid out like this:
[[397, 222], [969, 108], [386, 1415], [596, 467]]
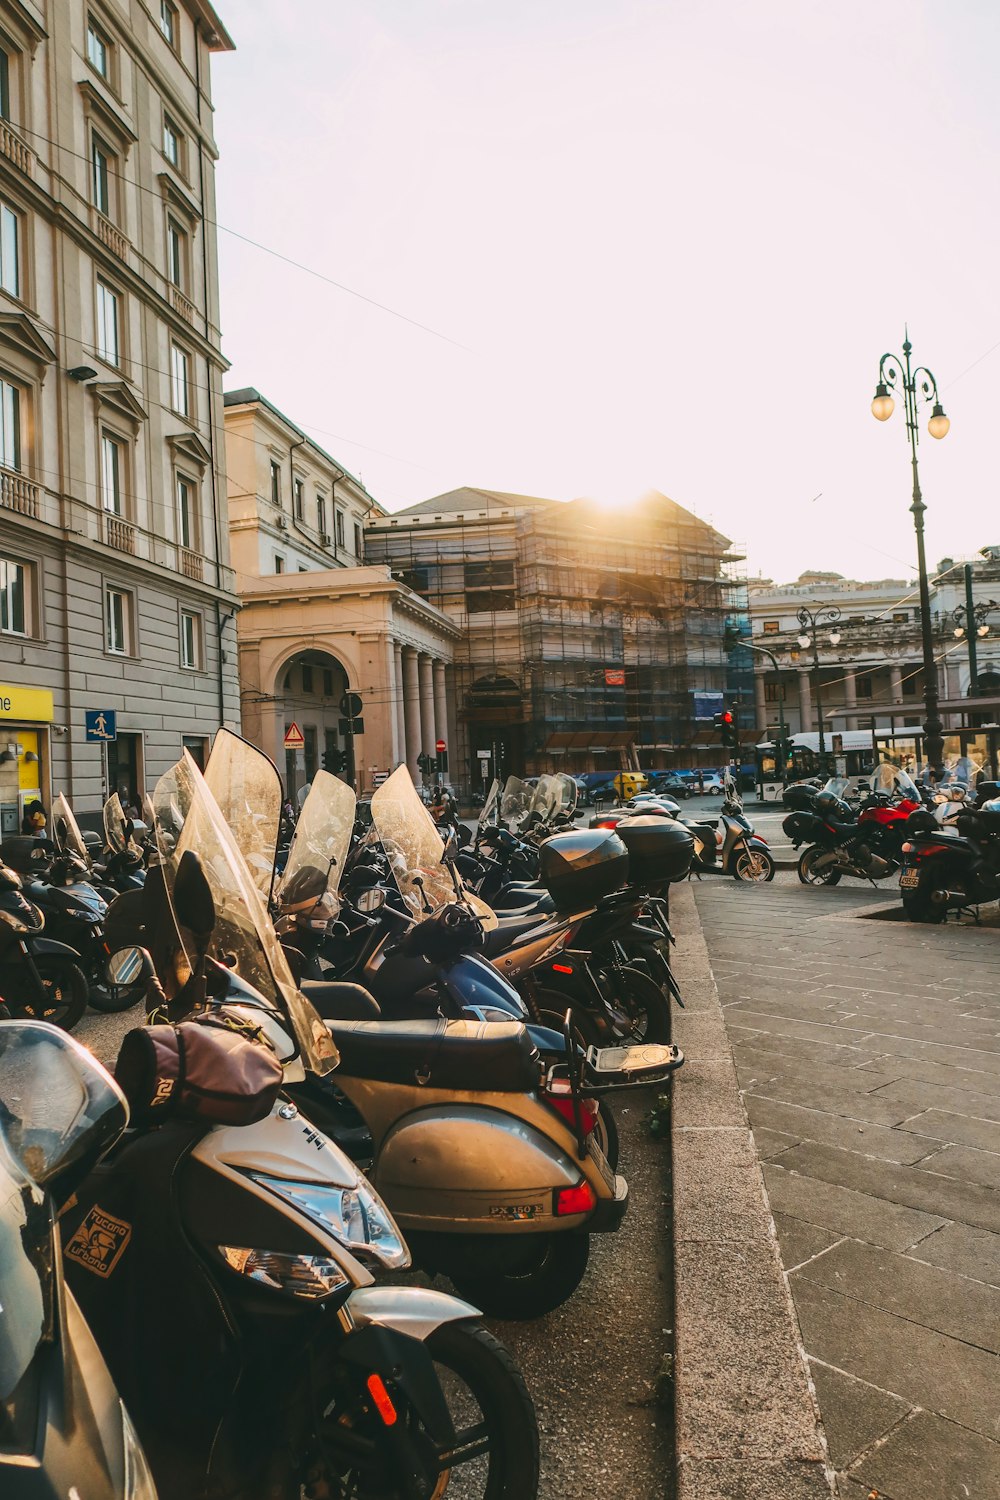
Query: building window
[[279, 563], [358, 545], [4, 84], [300, 492], [902, 618], [774, 692], [10, 425], [307, 679], [108, 324], [772, 627], [187, 527], [98, 50], [190, 639], [303, 568], [101, 160], [112, 474], [340, 528], [327, 683], [309, 735], [910, 686], [171, 142], [10, 246], [321, 518], [275, 483], [168, 22], [117, 621], [180, 380], [13, 597], [176, 255], [196, 746], [863, 686], [489, 601], [484, 575]]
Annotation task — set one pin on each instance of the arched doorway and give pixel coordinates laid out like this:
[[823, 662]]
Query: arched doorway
[[308, 690], [494, 712]]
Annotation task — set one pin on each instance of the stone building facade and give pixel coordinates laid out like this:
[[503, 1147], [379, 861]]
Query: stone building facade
[[116, 593]]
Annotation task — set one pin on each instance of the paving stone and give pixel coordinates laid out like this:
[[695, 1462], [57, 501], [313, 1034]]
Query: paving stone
[[751, 1479], [817, 1091], [855, 1413], [964, 1129], [911, 1187], [915, 1363], [771, 1143], [830, 1055], [965, 1162], [958, 1247], [846, 1210], [799, 1241], [928, 1458], [702, 1034], [937, 1298], [836, 1130], [943, 1074]]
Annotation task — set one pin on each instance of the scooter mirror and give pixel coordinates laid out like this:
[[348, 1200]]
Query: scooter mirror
[[193, 897], [371, 900], [128, 966]]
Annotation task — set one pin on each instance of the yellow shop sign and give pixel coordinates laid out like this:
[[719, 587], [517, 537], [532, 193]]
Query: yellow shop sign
[[26, 703]]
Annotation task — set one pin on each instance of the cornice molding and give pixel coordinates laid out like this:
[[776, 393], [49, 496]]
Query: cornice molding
[[109, 113], [117, 395], [19, 332]]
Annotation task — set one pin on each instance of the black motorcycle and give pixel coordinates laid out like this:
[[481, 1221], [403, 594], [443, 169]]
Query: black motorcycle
[[839, 844], [950, 867], [42, 978]]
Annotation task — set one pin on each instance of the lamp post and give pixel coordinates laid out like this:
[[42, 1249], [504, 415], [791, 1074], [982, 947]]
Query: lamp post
[[811, 620], [917, 385], [970, 619], [782, 728]]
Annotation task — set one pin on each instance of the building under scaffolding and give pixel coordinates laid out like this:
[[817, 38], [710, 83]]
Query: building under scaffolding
[[590, 638]]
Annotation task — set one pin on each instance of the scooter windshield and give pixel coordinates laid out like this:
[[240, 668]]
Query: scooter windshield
[[491, 807], [838, 786], [66, 830], [569, 793], [188, 817], [321, 843], [114, 824], [545, 801], [515, 802], [891, 780], [414, 849], [247, 790]]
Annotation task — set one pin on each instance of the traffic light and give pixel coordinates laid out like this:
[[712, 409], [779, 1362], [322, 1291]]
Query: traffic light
[[425, 763], [334, 760], [725, 723]]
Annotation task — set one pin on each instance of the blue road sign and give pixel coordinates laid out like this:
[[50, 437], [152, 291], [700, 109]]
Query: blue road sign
[[101, 724]]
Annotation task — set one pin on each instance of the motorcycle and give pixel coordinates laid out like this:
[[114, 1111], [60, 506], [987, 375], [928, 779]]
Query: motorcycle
[[950, 866], [42, 977], [867, 844], [63, 1428]]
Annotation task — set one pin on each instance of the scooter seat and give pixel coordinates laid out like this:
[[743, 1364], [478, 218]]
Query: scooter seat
[[337, 1001], [467, 1056], [507, 931]]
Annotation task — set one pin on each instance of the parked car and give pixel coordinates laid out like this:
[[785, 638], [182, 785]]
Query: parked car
[[671, 784]]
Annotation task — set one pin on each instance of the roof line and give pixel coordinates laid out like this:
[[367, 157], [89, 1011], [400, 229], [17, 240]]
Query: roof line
[[248, 395]]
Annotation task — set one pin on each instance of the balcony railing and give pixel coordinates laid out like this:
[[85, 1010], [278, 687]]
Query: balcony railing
[[14, 149], [181, 304], [110, 236], [18, 493], [192, 566], [119, 534]]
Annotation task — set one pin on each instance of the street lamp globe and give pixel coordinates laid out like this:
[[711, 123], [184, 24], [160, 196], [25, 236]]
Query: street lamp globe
[[834, 637], [883, 404], [983, 630], [939, 423], [804, 641], [958, 632]]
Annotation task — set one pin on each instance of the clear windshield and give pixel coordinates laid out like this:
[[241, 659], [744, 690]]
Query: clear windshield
[[414, 848], [961, 770], [569, 791], [891, 780], [188, 817], [515, 802], [838, 786], [545, 801], [114, 824], [491, 807], [66, 830], [321, 842], [247, 790]]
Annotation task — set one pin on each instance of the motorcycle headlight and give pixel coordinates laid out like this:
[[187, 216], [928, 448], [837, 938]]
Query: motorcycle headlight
[[310, 1276], [356, 1217], [138, 1478]]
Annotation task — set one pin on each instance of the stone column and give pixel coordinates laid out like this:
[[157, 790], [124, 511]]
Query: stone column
[[441, 708], [427, 731], [400, 717], [851, 699], [805, 702], [895, 685], [411, 708], [457, 768], [760, 703]]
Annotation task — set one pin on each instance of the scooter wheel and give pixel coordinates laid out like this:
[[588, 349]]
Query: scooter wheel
[[754, 865], [65, 987], [810, 876], [919, 907], [540, 1274], [606, 1133]]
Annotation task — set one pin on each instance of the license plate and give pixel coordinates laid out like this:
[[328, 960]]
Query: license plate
[[909, 879]]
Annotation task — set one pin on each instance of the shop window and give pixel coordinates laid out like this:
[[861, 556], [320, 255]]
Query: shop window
[[118, 621], [15, 599], [191, 649]]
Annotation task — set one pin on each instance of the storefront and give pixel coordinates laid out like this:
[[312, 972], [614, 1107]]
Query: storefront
[[25, 718]]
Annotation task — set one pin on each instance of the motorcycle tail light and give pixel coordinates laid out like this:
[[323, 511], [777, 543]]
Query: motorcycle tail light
[[574, 1200], [907, 849], [561, 1100], [562, 968]]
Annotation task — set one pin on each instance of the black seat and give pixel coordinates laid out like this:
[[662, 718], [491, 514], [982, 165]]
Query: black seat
[[468, 1056], [338, 1001], [507, 931]]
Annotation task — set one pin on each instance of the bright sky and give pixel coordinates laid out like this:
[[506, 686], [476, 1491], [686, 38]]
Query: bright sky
[[671, 238]]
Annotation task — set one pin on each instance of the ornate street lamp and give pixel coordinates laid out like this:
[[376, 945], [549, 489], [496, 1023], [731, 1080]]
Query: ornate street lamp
[[811, 620], [917, 385], [971, 620]]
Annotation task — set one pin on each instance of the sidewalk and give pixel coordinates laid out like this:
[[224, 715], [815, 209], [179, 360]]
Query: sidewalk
[[869, 1063]]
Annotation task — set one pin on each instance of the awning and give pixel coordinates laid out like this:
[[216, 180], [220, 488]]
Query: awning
[[589, 739]]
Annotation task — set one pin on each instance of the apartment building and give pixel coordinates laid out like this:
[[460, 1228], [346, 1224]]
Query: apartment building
[[116, 593]]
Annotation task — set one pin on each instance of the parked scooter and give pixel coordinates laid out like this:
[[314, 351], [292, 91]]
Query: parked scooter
[[950, 867], [63, 1429], [729, 845], [42, 978]]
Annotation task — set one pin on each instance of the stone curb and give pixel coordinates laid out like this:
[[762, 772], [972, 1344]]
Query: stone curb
[[747, 1422]]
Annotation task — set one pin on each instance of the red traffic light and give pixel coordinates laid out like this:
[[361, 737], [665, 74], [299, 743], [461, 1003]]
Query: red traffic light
[[726, 717]]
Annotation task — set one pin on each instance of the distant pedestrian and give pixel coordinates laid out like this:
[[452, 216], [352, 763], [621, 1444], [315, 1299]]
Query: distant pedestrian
[[33, 821], [701, 781]]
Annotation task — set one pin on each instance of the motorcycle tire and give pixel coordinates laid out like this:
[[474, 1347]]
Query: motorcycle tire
[[819, 877], [111, 999], [552, 1008], [544, 1272], [641, 1009], [918, 907], [606, 1134], [66, 991], [753, 866]]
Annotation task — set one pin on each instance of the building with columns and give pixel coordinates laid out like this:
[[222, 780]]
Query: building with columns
[[874, 670], [315, 622]]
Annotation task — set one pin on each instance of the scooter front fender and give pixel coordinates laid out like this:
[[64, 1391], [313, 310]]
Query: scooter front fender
[[40, 947], [415, 1311]]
